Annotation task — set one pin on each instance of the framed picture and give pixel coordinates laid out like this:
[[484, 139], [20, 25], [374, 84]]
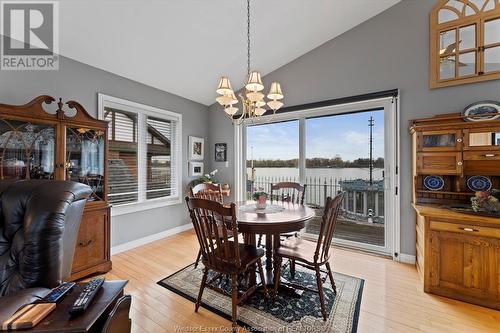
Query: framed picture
[[497, 139], [196, 169], [196, 148], [220, 152]]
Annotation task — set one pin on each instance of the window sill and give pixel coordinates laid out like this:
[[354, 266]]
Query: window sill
[[145, 205]]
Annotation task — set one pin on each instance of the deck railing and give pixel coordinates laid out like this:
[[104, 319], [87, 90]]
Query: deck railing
[[318, 188], [359, 203]]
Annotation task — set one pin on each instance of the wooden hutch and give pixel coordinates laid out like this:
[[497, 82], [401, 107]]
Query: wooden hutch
[[65, 145], [458, 254]]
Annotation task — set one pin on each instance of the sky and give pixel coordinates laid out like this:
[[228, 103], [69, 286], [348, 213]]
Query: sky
[[345, 135]]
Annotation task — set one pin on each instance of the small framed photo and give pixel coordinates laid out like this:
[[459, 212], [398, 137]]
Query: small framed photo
[[196, 148], [221, 152], [497, 139], [196, 169]]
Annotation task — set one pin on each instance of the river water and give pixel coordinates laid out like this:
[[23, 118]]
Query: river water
[[293, 173]]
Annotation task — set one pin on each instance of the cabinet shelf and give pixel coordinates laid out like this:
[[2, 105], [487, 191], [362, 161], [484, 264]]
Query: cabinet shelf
[[446, 192]]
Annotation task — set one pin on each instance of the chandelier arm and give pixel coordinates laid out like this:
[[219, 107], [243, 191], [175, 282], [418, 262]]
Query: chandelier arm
[[243, 109]]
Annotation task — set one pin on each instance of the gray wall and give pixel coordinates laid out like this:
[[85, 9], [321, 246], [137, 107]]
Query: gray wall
[[388, 51], [80, 82]]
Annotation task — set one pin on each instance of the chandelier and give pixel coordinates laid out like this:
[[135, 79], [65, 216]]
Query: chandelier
[[252, 97]]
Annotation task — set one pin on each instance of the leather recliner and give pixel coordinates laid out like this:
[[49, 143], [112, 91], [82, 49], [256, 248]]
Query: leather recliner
[[39, 223]]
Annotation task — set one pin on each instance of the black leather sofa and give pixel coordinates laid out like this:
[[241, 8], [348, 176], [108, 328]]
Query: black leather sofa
[[39, 223]]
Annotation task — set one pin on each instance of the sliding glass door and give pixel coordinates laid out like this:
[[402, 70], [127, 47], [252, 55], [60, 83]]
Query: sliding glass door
[[346, 152], [350, 148]]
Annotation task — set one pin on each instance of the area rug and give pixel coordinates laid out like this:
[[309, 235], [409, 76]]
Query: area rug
[[289, 313]]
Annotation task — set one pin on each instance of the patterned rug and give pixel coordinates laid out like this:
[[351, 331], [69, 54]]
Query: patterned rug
[[289, 313]]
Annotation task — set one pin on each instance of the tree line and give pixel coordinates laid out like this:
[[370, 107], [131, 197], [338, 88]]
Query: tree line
[[318, 162]]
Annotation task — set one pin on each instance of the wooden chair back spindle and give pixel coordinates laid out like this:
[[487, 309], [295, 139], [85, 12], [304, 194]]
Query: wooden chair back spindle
[[325, 238], [207, 191], [218, 252], [288, 192]]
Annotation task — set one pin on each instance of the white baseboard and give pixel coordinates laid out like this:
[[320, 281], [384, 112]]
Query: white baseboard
[[407, 259], [148, 239]]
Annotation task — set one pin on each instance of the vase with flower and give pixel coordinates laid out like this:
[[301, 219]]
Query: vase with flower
[[260, 199]]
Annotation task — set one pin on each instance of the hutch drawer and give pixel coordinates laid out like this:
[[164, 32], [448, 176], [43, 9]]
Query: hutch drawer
[[487, 155], [465, 229]]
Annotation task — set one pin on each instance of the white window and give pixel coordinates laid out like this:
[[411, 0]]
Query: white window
[[144, 155]]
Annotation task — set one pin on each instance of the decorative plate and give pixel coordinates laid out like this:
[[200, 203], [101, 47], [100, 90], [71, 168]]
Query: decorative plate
[[434, 183], [481, 111], [479, 183]]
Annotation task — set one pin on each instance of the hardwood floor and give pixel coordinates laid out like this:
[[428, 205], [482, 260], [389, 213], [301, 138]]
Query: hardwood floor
[[393, 300]]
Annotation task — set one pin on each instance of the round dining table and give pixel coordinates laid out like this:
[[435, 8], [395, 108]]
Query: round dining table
[[278, 218]]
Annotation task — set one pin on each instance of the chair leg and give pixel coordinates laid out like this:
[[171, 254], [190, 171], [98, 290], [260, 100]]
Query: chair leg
[[234, 299], [202, 287], [292, 268], [263, 279], [277, 276], [197, 259], [330, 274], [320, 291]]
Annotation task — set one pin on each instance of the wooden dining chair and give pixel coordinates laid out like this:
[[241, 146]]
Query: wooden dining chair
[[206, 191], [221, 255], [312, 255], [287, 192]]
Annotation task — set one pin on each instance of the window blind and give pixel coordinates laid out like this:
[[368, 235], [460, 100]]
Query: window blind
[[143, 156], [122, 157]]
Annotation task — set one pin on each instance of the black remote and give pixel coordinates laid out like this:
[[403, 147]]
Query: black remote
[[86, 296], [57, 293]]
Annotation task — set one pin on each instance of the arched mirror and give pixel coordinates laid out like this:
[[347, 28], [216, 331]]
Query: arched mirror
[[464, 42]]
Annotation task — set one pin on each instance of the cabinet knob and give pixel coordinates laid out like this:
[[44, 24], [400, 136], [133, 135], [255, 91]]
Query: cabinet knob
[[460, 163], [459, 140]]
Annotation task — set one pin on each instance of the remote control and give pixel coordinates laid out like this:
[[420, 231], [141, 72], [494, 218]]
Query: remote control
[[57, 293], [86, 296]]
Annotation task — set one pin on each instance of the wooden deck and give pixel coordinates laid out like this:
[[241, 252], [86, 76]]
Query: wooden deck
[[348, 230]]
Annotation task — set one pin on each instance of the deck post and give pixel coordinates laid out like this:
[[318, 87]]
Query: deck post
[[365, 203], [354, 201]]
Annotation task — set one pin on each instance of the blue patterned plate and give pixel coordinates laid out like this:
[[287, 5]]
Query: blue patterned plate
[[480, 111], [479, 183], [434, 183]]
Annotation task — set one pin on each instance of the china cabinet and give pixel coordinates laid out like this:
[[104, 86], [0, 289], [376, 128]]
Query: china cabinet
[[457, 251], [65, 144]]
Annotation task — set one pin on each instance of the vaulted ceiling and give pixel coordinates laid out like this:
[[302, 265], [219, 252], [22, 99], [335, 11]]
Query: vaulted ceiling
[[184, 46]]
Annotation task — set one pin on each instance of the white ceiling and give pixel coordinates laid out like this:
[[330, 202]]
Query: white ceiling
[[184, 46]]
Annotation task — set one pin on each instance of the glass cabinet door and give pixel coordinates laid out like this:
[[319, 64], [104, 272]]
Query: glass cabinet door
[[85, 159], [27, 150], [482, 139], [440, 141]]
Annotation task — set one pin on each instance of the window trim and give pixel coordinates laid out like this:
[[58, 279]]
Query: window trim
[[146, 110]]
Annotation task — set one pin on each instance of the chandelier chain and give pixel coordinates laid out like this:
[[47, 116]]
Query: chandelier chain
[[248, 37]]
